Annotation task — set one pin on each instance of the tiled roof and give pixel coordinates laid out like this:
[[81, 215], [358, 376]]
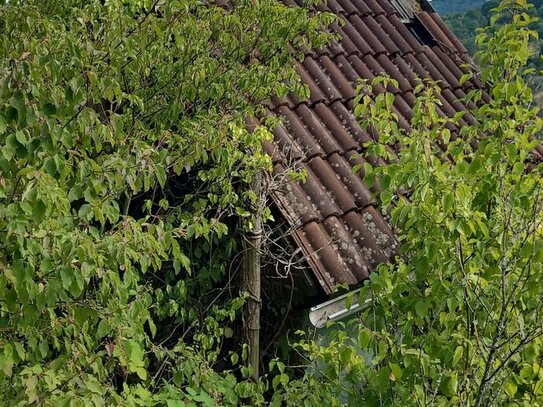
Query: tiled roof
[[342, 235]]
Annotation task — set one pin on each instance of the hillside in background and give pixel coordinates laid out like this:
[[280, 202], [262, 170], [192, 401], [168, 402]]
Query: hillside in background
[[445, 7], [465, 24]]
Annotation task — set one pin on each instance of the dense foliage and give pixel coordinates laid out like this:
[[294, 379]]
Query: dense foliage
[[125, 164], [465, 26], [458, 319], [124, 156]]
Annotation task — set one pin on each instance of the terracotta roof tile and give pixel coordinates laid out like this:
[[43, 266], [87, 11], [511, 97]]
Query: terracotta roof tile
[[346, 64], [322, 252], [420, 71], [343, 167], [403, 106], [328, 178], [316, 93], [406, 71], [358, 42], [320, 199], [293, 202], [378, 70], [392, 70], [407, 35], [345, 88], [339, 231], [376, 36], [395, 36], [348, 7], [343, 136], [351, 124], [432, 27], [432, 65], [274, 152], [341, 7], [343, 65], [349, 254], [299, 135], [286, 145], [360, 6], [460, 94], [312, 124], [322, 79], [378, 7]]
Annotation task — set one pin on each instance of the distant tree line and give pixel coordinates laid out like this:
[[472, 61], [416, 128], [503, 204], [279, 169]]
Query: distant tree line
[[445, 7], [465, 24]]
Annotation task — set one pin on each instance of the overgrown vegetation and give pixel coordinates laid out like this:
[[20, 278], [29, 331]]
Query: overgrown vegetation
[[125, 164], [458, 319]]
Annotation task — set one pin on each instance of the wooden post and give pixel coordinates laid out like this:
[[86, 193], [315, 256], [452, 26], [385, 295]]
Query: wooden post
[[252, 241]]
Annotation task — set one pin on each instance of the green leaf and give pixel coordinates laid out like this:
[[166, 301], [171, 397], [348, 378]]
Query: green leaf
[[421, 308], [50, 166], [20, 350], [75, 193], [345, 355], [526, 371], [458, 353], [49, 109], [103, 329], [510, 388], [21, 137], [447, 201], [38, 211], [93, 385], [141, 372], [364, 338], [175, 403], [67, 277], [6, 360], [152, 327], [396, 372]]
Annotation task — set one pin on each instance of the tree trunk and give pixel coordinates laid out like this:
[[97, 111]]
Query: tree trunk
[[252, 241]]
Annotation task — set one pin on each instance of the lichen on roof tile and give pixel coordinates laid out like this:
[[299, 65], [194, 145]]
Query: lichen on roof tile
[[341, 234]]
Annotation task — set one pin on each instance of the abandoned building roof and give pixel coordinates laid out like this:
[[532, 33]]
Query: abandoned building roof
[[341, 232]]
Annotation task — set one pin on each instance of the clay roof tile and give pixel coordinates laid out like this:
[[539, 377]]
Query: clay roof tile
[[341, 234]]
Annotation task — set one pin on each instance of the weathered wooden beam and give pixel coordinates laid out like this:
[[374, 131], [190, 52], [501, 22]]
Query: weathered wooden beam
[[251, 283]]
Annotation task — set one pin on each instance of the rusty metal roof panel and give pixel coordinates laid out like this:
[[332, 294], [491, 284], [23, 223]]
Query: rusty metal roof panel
[[341, 234]]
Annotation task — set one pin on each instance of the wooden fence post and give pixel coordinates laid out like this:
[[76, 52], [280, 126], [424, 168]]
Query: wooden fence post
[[252, 241]]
